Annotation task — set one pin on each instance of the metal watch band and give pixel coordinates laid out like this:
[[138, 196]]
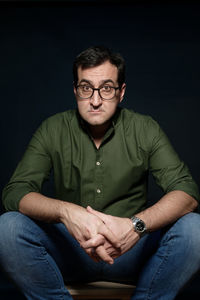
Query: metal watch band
[[139, 226]]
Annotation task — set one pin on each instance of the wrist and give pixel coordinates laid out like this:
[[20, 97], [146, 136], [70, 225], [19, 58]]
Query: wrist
[[63, 211], [68, 211], [139, 226]]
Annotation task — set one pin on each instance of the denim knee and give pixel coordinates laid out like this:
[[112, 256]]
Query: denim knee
[[187, 234], [25, 260], [13, 226], [8, 226]]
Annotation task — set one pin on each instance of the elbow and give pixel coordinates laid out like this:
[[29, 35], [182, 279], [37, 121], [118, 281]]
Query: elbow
[[192, 204]]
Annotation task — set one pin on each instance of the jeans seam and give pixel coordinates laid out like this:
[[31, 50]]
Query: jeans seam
[[164, 260]]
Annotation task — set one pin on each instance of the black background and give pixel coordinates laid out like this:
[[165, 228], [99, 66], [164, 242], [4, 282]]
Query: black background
[[160, 42]]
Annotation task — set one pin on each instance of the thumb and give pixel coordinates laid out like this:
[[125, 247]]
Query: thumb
[[98, 214]]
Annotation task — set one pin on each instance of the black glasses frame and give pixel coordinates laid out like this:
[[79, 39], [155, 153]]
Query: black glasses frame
[[98, 89]]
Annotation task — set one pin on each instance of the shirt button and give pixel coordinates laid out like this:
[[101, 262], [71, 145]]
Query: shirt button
[[98, 191], [98, 163]]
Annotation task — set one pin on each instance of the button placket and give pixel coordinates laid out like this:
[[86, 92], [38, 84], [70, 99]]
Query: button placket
[[98, 175]]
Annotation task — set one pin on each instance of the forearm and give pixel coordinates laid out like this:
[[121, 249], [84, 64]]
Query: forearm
[[40, 207], [167, 210], [170, 207], [80, 224]]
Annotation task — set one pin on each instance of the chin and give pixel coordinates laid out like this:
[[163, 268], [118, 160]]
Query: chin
[[95, 123], [98, 123], [97, 120]]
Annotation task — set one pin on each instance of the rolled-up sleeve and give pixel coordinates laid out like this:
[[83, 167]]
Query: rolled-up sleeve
[[33, 169], [169, 172]]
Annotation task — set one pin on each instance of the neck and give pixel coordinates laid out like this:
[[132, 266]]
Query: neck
[[97, 132]]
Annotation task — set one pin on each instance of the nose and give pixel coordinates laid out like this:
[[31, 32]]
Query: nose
[[95, 100]]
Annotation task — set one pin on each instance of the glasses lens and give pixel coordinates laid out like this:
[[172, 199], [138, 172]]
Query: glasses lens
[[107, 92], [84, 91]]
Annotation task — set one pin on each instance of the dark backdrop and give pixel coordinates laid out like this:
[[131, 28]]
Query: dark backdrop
[[161, 45]]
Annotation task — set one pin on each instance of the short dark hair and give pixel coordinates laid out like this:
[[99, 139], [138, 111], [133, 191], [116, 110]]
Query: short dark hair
[[97, 55]]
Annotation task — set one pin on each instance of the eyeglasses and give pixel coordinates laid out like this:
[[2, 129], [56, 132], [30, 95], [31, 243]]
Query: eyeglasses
[[106, 92]]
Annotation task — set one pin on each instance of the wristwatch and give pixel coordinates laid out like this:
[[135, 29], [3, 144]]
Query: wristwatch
[[139, 226]]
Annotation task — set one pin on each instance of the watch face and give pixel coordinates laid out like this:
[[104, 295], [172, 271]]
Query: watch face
[[140, 226]]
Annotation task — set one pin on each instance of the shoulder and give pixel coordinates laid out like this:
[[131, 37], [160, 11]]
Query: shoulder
[[56, 126], [132, 119], [140, 128], [59, 120]]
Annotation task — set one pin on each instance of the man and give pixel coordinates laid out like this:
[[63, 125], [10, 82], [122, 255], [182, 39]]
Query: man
[[98, 226]]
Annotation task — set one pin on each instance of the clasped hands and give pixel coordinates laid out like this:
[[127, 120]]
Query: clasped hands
[[103, 237], [102, 247]]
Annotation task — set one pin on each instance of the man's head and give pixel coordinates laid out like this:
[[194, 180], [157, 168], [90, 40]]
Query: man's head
[[98, 85], [95, 56]]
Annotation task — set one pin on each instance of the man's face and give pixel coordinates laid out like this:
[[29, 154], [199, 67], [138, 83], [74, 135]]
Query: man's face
[[95, 110]]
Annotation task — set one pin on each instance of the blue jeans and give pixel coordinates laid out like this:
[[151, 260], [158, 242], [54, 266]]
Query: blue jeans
[[39, 257]]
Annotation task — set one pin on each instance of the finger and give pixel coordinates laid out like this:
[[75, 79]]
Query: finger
[[104, 255], [104, 229], [89, 251], [92, 254], [88, 247], [113, 252], [98, 214], [110, 236], [94, 242]]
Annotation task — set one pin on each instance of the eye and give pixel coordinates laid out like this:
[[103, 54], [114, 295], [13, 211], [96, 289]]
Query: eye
[[86, 88], [106, 88]]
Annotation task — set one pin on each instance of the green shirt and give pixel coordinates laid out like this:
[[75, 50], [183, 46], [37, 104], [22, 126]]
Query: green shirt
[[113, 178]]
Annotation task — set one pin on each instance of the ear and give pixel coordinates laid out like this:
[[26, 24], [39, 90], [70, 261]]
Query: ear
[[74, 89], [122, 92]]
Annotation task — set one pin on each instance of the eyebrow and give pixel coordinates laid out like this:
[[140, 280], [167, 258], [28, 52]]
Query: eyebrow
[[102, 82]]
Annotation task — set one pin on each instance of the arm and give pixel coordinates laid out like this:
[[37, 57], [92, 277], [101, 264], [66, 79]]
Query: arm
[[167, 210], [23, 192], [172, 176], [80, 224]]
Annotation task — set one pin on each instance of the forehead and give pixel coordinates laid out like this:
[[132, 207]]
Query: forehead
[[96, 75]]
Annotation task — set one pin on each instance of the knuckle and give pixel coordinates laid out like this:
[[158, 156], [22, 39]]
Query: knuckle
[[93, 243], [100, 238], [89, 251]]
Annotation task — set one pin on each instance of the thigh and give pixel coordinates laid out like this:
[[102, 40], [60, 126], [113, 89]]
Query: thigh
[[176, 248], [73, 262], [127, 267], [24, 239], [176, 260]]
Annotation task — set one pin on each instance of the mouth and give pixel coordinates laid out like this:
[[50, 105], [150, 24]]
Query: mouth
[[95, 111]]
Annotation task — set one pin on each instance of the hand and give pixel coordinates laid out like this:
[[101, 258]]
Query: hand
[[99, 243], [84, 226], [121, 227]]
